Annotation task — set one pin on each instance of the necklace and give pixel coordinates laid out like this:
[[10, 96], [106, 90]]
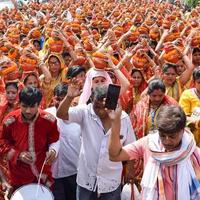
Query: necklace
[[153, 111]]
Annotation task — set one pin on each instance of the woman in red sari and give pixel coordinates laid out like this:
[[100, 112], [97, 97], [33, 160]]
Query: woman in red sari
[[132, 95], [10, 104], [146, 111], [11, 100]]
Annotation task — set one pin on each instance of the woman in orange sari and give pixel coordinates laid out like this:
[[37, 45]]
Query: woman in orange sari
[[10, 104]]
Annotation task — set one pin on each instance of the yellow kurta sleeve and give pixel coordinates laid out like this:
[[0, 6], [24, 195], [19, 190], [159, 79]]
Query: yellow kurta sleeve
[[189, 101], [185, 102]]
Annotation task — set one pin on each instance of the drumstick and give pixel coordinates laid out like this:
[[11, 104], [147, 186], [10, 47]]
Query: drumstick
[[40, 179]]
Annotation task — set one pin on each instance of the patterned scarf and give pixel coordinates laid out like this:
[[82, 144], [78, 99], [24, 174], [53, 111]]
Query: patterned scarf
[[187, 170]]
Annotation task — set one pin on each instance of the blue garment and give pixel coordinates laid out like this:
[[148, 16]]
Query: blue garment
[[42, 40], [84, 194]]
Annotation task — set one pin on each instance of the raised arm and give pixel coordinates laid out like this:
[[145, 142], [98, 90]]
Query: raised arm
[[161, 41], [63, 37], [186, 75], [124, 82], [43, 67], [116, 152], [15, 4], [73, 91]]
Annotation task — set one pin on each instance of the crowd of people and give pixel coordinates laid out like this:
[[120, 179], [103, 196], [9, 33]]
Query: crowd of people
[[57, 60]]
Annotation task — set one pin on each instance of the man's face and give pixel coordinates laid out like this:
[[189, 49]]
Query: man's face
[[99, 109], [29, 112], [97, 81], [171, 141]]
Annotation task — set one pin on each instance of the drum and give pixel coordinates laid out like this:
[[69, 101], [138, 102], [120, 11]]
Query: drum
[[32, 192]]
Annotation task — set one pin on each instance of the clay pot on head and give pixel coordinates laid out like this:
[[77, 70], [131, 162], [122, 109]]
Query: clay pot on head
[[195, 41], [35, 33], [11, 67], [143, 30], [139, 61], [171, 55], [154, 34], [100, 60], [118, 31], [56, 45], [27, 64], [13, 54], [134, 36]]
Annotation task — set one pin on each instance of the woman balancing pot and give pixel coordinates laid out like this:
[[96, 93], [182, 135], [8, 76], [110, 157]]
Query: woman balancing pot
[[137, 85], [190, 102]]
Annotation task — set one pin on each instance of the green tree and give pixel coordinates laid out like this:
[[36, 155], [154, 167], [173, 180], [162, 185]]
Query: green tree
[[192, 3]]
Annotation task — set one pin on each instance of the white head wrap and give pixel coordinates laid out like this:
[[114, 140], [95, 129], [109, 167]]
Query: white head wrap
[[87, 88]]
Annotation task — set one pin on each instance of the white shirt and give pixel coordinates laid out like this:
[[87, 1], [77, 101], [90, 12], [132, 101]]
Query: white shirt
[[70, 143], [95, 170]]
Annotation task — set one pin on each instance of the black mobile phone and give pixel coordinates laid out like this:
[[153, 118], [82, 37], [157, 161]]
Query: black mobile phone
[[112, 96]]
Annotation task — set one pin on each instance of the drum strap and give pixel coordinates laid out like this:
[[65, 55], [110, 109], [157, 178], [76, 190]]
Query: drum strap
[[39, 179], [132, 192]]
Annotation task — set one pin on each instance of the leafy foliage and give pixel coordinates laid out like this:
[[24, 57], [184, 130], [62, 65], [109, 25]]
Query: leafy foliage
[[192, 3]]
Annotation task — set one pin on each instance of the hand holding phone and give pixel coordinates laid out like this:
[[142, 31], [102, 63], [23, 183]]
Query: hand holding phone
[[112, 96]]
